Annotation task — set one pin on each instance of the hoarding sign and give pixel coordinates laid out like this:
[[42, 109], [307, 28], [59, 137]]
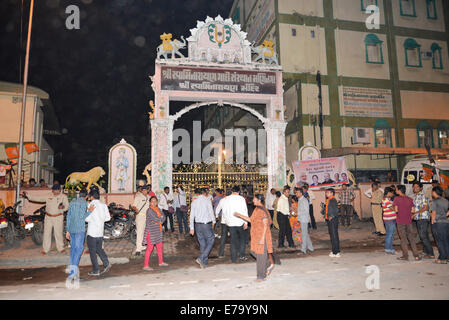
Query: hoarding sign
[[367, 102], [321, 173]]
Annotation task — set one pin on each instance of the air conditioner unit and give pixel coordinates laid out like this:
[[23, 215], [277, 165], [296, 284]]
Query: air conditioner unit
[[426, 55], [361, 136]]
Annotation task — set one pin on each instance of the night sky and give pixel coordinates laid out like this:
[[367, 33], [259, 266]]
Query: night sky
[[97, 77]]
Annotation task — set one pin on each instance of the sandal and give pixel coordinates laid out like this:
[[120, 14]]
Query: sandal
[[147, 269], [403, 258], [270, 269], [418, 258], [440, 261]]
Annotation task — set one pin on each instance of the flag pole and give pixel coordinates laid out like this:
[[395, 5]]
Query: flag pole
[[25, 84]]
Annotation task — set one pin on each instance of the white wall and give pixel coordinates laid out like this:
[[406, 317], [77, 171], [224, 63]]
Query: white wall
[[352, 10], [421, 21], [303, 7], [426, 73], [425, 105], [351, 56], [303, 53]]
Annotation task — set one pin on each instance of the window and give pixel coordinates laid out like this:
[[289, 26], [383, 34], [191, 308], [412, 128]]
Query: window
[[443, 135], [294, 32], [436, 56], [412, 53], [431, 10], [425, 134], [383, 137], [408, 8], [367, 3], [373, 48]]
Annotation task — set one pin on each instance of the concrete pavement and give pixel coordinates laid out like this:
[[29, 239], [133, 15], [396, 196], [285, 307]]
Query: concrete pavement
[[300, 278]]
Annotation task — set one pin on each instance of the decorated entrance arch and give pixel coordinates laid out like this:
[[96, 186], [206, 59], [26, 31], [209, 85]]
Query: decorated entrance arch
[[218, 70]]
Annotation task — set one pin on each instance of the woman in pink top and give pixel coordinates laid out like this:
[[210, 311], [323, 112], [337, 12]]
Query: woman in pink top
[[389, 215]]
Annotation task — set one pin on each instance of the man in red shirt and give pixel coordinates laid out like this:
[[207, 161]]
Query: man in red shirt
[[403, 206]]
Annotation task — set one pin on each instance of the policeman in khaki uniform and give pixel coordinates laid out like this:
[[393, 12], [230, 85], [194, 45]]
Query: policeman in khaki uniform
[[376, 194], [140, 207], [54, 217]]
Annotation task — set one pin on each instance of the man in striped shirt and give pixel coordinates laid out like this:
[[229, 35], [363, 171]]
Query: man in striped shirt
[[76, 231], [389, 216]]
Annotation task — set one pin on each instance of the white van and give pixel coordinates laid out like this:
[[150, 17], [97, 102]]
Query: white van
[[413, 171]]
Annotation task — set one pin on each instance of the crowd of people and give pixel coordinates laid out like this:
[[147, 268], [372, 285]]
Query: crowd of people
[[246, 220]]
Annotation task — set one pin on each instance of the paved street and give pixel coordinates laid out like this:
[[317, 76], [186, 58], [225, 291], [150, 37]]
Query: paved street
[[312, 277]]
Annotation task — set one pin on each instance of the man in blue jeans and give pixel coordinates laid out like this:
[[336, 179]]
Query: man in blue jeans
[[202, 221], [76, 230]]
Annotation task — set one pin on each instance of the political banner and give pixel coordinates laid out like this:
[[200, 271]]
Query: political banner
[[321, 173]]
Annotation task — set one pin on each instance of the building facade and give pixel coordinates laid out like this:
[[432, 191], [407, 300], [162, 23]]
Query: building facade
[[40, 121], [384, 88]]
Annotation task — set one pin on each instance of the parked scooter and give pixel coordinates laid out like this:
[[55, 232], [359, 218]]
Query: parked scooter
[[122, 224], [35, 225]]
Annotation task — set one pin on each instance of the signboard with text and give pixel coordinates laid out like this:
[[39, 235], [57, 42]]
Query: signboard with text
[[262, 21], [321, 173], [367, 102], [217, 80]]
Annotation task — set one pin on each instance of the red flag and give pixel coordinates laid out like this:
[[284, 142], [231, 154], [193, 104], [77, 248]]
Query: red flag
[[31, 147]]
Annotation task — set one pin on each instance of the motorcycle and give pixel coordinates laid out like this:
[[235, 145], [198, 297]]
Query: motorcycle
[[122, 224], [35, 225], [11, 227]]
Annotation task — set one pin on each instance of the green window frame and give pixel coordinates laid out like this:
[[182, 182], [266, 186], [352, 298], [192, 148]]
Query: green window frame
[[443, 134], [424, 128], [409, 45], [412, 3], [382, 127], [366, 3], [372, 40], [431, 7], [436, 51]]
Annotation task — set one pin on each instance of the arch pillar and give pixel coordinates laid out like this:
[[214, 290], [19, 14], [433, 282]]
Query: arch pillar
[[276, 162], [161, 154]]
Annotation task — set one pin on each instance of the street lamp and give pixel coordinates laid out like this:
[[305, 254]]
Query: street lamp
[[25, 85], [221, 157]]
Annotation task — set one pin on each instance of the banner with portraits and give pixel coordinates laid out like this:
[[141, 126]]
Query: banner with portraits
[[321, 173]]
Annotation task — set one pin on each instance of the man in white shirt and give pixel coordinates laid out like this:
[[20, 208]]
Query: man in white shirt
[[166, 203], [235, 203], [180, 198], [202, 221], [283, 209], [95, 231], [269, 199]]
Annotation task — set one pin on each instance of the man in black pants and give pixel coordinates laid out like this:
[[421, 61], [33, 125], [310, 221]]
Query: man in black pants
[[331, 217], [95, 231], [230, 205], [283, 210]]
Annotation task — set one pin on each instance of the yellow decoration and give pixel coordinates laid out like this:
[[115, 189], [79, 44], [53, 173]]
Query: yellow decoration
[[151, 114], [269, 45], [91, 177], [166, 43], [411, 178], [146, 173]]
